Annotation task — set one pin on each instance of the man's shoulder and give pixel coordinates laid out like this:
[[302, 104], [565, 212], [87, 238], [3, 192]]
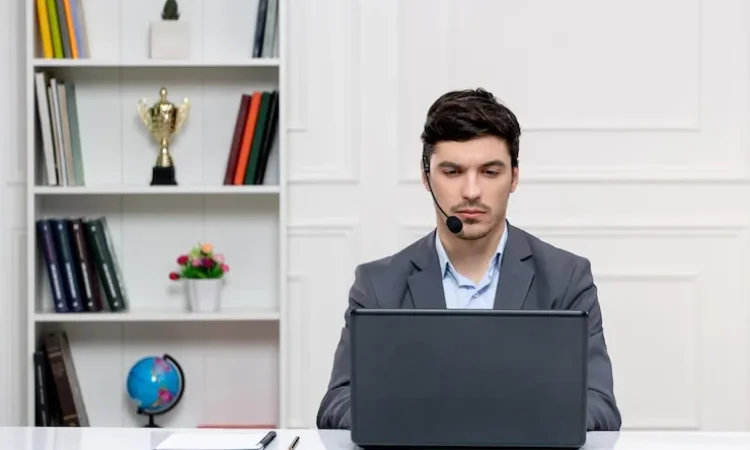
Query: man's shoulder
[[385, 279], [549, 256], [398, 262]]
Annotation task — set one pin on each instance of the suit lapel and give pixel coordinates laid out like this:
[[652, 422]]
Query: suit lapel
[[426, 283], [516, 271]]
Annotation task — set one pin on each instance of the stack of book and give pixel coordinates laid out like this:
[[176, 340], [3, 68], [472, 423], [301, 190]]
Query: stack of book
[[81, 264], [254, 135], [62, 29], [57, 112], [58, 397]]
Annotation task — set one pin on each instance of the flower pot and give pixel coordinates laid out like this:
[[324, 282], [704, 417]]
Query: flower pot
[[170, 39], [204, 295]]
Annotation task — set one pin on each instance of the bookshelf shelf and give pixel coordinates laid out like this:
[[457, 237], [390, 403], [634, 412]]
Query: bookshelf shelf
[[157, 190], [93, 219], [93, 63], [159, 316]]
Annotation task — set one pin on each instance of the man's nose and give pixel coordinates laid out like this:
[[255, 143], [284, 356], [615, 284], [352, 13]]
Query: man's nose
[[471, 189]]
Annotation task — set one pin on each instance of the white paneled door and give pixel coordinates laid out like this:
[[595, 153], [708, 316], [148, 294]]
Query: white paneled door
[[635, 153]]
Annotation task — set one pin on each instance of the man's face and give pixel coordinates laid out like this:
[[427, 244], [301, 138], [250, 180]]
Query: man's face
[[473, 180]]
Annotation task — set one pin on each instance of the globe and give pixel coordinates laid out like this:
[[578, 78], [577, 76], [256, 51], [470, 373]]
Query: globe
[[155, 384]]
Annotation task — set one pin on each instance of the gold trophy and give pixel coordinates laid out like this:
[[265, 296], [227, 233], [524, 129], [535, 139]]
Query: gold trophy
[[163, 120]]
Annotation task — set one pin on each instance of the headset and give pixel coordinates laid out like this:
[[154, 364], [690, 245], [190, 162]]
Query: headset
[[453, 223]]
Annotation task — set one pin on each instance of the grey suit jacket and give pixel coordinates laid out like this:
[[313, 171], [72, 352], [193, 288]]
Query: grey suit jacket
[[534, 275]]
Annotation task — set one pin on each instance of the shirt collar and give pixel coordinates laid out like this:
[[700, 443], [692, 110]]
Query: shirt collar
[[445, 263]]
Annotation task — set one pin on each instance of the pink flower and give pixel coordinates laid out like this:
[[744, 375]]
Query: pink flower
[[219, 258], [196, 263], [182, 259], [224, 268]]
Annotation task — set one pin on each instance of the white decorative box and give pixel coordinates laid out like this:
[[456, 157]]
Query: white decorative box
[[170, 39]]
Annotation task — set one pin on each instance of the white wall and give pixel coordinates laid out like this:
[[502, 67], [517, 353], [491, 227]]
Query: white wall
[[634, 153], [12, 205]]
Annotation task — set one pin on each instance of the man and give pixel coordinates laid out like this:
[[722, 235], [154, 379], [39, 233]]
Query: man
[[470, 162]]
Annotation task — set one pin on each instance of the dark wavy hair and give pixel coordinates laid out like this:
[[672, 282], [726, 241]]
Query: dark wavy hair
[[470, 114]]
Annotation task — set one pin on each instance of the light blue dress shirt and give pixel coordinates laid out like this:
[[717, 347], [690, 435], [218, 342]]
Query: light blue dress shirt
[[463, 293]]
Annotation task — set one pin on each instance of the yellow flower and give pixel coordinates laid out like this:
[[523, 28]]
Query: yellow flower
[[207, 248]]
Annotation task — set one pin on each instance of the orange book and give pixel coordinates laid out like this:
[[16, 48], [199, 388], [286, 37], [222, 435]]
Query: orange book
[[247, 139], [71, 29]]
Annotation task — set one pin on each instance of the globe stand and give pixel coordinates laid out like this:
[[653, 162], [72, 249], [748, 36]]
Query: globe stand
[[150, 423], [151, 414]]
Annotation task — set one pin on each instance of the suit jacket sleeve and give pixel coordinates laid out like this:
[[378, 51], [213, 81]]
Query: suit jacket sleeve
[[335, 408], [603, 413]]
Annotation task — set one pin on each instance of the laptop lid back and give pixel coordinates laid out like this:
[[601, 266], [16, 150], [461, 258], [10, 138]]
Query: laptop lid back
[[468, 378]]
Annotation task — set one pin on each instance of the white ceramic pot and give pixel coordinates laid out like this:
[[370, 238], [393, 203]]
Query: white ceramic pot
[[170, 39], [204, 295]]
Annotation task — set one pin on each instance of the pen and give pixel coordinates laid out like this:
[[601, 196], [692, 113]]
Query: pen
[[294, 443], [266, 440]]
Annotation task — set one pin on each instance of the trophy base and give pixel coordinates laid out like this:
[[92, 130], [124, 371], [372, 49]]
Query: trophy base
[[163, 176]]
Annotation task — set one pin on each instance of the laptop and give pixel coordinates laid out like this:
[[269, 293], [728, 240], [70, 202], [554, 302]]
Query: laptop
[[468, 378]]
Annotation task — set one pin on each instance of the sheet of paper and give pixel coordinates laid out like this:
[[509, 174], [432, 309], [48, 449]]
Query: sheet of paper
[[211, 441]]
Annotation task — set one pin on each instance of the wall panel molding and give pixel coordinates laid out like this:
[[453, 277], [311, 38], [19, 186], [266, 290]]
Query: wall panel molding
[[345, 169], [298, 54], [316, 281], [314, 227], [415, 230], [683, 120], [620, 175], [298, 354], [685, 414]]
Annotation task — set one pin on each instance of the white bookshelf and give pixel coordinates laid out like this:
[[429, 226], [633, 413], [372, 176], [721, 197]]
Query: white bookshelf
[[234, 360]]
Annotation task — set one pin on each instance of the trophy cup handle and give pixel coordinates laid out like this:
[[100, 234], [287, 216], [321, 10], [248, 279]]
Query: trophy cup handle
[[144, 112], [182, 115]]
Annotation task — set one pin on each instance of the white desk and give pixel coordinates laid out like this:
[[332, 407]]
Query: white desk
[[147, 439]]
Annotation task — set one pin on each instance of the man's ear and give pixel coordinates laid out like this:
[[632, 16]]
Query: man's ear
[[423, 176], [514, 182]]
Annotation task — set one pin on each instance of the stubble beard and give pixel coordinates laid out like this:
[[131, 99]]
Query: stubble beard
[[475, 235]]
